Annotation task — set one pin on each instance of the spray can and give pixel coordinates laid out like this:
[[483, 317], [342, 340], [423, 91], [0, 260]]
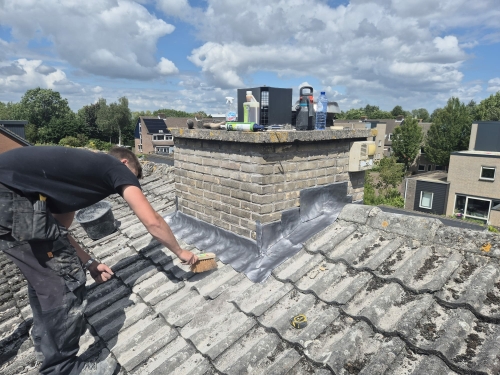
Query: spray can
[[250, 108], [230, 113]]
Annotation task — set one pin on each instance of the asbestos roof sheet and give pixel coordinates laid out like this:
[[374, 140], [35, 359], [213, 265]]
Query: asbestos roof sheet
[[383, 293]]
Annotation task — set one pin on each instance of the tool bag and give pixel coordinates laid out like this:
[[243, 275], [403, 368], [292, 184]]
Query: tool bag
[[26, 220]]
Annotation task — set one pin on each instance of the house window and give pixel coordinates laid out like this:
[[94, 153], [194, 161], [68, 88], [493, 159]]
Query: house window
[[429, 167], [160, 131], [488, 173], [439, 168], [422, 152], [426, 199], [390, 136], [379, 143], [421, 168], [140, 148], [472, 207], [168, 137]]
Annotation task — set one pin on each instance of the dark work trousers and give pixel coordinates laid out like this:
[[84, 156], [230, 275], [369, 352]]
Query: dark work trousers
[[56, 290]]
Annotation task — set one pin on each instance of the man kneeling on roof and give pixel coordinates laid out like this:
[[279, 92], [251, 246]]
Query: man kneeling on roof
[[40, 189]]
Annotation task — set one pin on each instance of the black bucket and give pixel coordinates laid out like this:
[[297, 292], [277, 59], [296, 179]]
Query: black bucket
[[97, 220]]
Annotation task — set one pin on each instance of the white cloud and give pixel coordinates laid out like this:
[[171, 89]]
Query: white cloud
[[26, 74], [494, 84], [367, 45], [166, 67], [114, 38]]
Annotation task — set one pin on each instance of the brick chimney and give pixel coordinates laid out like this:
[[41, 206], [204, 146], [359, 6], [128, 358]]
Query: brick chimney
[[248, 183], [162, 116]]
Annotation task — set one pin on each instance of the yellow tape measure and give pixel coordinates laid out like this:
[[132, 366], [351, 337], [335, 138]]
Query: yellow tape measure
[[299, 321]]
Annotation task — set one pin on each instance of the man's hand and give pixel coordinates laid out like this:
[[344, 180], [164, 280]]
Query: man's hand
[[188, 257], [100, 272]]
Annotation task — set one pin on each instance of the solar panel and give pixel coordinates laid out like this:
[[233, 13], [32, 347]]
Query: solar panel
[[154, 125]]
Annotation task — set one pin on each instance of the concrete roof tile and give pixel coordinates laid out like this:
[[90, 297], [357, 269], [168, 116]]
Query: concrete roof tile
[[296, 267], [104, 295], [118, 316], [410, 363], [460, 338], [329, 237], [279, 317], [177, 358], [257, 352], [179, 308], [388, 307], [213, 283], [260, 297], [383, 294], [348, 346], [216, 327], [21, 363], [417, 227], [420, 269], [333, 283], [134, 345], [476, 284]]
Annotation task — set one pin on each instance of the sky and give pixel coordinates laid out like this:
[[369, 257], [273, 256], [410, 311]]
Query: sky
[[190, 54]]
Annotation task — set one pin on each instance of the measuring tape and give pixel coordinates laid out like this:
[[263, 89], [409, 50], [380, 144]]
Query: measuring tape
[[299, 321]]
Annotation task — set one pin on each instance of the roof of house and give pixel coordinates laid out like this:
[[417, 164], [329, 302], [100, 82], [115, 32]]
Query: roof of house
[[15, 136], [495, 154], [437, 176], [154, 125], [382, 293]]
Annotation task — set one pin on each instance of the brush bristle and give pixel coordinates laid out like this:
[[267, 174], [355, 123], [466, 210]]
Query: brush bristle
[[203, 265]]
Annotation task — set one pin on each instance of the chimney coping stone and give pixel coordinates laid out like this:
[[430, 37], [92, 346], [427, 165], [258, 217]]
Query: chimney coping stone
[[273, 136]]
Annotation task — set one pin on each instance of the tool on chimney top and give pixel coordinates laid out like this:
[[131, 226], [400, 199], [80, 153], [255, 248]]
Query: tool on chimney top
[[305, 110]]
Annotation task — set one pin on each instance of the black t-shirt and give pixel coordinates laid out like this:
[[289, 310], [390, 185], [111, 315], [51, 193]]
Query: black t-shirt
[[70, 178]]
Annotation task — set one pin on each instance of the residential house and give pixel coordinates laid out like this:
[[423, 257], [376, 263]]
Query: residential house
[[427, 192], [421, 163], [152, 136], [12, 135], [474, 190], [471, 187]]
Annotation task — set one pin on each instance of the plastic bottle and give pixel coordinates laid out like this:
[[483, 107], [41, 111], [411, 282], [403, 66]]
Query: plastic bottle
[[250, 108], [243, 126], [321, 111], [230, 113]]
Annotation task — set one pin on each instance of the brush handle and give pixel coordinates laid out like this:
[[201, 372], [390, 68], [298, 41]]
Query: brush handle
[[203, 256]]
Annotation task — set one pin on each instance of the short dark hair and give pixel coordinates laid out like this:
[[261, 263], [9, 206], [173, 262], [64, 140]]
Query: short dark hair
[[124, 153]]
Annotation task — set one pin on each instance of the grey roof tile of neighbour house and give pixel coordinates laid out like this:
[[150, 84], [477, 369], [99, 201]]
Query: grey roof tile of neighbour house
[[383, 293]]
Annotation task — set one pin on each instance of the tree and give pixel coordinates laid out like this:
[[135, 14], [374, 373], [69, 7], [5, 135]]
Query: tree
[[39, 106], [390, 175], [88, 114], [354, 114], [421, 113], [398, 111], [489, 108], [10, 111], [435, 113], [472, 108], [68, 125], [406, 141], [114, 117], [449, 132]]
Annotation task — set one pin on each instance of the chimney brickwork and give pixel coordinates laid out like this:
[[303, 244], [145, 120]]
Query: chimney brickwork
[[234, 184]]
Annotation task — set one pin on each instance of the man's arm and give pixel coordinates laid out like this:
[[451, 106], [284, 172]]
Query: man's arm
[[99, 271], [154, 223]]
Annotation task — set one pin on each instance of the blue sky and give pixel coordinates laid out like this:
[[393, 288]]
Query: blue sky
[[190, 55]]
